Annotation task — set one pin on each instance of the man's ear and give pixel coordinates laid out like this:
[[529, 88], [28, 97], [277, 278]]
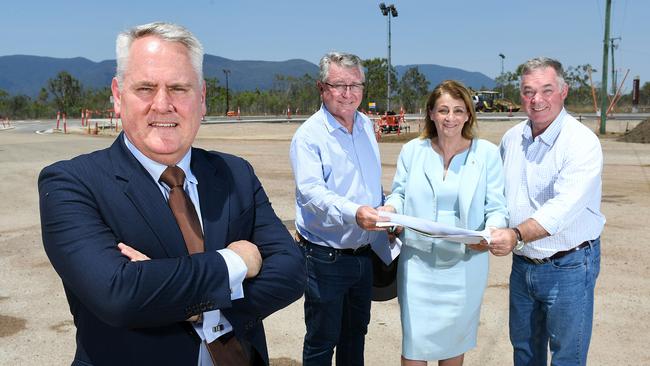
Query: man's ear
[[117, 96], [565, 91]]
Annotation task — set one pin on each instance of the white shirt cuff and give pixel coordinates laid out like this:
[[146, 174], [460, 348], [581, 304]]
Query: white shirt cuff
[[349, 212], [236, 272]]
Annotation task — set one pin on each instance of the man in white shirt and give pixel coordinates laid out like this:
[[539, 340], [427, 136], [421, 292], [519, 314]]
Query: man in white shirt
[[553, 167]]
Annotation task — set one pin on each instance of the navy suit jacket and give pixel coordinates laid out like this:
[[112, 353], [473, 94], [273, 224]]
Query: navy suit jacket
[[133, 313]]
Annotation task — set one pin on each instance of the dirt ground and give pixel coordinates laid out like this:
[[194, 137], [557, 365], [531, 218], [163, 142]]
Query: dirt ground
[[36, 326]]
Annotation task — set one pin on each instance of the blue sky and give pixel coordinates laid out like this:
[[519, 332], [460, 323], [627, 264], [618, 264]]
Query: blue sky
[[457, 33]]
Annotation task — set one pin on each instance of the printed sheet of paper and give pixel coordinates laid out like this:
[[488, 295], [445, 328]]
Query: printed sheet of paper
[[387, 251], [434, 229]]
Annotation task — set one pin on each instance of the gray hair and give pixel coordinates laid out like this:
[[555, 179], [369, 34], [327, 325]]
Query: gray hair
[[341, 59], [542, 63], [166, 31]]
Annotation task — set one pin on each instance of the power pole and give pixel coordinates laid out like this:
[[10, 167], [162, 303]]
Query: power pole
[[613, 47], [603, 86]]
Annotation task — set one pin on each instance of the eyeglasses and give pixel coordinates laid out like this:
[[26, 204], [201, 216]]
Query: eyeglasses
[[342, 88]]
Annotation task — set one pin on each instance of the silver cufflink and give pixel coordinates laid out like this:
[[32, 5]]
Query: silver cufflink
[[217, 328]]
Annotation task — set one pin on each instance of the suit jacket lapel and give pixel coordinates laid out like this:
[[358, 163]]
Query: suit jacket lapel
[[469, 182], [213, 197], [433, 166], [145, 195]]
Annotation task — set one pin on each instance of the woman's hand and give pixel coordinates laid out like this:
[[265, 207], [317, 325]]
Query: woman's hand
[[393, 231], [481, 246]]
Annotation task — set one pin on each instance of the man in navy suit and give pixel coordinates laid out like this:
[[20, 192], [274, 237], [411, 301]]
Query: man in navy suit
[[137, 296]]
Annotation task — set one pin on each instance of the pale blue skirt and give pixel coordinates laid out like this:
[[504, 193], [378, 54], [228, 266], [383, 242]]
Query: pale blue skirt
[[440, 295]]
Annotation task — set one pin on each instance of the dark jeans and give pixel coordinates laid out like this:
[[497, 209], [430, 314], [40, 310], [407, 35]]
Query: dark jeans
[[552, 306], [337, 306]]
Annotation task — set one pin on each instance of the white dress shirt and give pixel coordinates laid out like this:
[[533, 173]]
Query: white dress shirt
[[214, 324], [555, 179]]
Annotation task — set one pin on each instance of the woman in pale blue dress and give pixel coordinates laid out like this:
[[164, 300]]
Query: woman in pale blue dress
[[449, 176]]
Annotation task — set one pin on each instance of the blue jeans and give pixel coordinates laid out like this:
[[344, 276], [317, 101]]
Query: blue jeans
[[552, 306], [337, 306]]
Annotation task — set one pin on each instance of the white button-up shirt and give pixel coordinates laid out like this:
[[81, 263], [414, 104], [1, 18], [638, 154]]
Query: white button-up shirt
[[554, 178], [214, 324]]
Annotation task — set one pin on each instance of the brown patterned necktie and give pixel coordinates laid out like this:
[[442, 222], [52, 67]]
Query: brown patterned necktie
[[226, 350], [183, 209]]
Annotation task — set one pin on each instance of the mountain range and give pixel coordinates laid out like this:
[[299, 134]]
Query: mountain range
[[24, 74]]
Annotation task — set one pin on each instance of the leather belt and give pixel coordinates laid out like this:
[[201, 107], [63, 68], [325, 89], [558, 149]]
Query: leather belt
[[556, 255], [348, 251]]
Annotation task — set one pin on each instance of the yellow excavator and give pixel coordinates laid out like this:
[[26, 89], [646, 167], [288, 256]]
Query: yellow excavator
[[491, 101]]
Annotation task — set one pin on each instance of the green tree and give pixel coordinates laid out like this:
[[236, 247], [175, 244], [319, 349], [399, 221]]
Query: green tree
[[41, 105], [510, 82], [258, 102], [66, 91], [4, 102], [375, 90], [20, 107], [413, 89], [300, 94], [577, 77], [215, 97], [98, 100]]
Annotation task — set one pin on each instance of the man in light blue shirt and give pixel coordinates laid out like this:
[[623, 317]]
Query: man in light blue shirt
[[553, 166], [337, 169]]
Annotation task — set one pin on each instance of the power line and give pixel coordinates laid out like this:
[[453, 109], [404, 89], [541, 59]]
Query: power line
[[600, 15]]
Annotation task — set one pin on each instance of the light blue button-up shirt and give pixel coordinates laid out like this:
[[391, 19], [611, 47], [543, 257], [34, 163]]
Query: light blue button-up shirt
[[335, 172], [554, 178], [214, 325]]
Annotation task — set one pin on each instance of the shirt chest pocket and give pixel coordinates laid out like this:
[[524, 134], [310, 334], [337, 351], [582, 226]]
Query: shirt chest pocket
[[541, 183]]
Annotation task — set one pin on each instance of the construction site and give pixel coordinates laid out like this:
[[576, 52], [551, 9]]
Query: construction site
[[36, 326]]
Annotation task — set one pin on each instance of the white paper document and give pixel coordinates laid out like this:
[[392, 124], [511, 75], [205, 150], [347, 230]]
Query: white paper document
[[387, 251], [434, 229]]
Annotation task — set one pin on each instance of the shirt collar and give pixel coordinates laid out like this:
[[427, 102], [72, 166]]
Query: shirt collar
[[333, 123], [156, 169], [552, 131]]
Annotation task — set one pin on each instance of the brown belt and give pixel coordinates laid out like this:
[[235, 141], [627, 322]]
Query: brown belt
[[227, 350], [556, 255]]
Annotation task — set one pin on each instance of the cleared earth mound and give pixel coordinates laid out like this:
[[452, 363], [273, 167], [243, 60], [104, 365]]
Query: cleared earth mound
[[640, 133]]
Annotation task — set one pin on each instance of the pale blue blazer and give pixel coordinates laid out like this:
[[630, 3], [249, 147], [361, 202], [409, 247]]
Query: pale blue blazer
[[481, 194]]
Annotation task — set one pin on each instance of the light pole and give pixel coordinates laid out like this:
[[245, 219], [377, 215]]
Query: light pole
[[227, 72], [388, 11], [503, 57]]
